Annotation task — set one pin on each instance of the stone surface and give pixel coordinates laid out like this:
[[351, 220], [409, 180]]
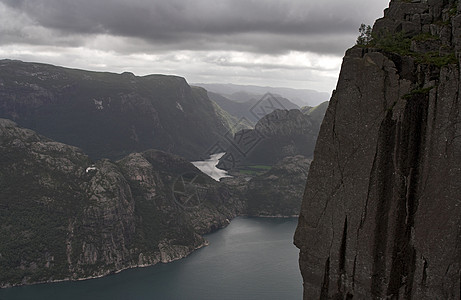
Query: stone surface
[[381, 212]]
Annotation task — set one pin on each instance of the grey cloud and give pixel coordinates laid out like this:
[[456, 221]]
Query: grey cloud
[[243, 25], [266, 66]]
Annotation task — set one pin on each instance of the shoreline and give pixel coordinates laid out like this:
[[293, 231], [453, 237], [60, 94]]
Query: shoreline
[[204, 244], [277, 216]]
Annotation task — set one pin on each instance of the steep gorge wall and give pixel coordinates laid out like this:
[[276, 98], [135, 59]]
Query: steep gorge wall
[[381, 216]]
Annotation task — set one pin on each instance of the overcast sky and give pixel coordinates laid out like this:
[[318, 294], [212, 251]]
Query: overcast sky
[[289, 43]]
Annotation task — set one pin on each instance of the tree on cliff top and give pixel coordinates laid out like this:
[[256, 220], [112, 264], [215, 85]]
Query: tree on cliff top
[[365, 35]]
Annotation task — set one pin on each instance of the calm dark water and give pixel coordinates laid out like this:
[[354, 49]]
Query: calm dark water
[[253, 258]]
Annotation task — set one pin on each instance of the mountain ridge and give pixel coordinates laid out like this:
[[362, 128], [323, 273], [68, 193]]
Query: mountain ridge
[[279, 134], [300, 97], [110, 115]]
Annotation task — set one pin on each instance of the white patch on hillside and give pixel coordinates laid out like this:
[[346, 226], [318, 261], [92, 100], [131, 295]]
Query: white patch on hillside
[[179, 107], [98, 104], [209, 167], [92, 168]]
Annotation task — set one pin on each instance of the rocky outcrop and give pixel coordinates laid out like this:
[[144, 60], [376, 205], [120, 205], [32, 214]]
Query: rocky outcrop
[[64, 217], [381, 212]]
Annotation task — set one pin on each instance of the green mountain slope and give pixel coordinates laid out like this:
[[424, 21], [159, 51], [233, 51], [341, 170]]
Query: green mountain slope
[[64, 217], [110, 115], [317, 112]]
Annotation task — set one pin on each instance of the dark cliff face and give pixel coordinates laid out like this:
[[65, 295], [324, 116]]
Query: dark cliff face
[[64, 217], [381, 212], [110, 115]]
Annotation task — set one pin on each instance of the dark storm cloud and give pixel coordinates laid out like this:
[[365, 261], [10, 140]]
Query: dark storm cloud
[[262, 26]]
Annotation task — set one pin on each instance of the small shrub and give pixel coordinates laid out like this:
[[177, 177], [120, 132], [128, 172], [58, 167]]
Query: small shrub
[[365, 36]]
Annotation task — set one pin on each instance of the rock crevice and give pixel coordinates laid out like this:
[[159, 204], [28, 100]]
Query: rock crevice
[[383, 208]]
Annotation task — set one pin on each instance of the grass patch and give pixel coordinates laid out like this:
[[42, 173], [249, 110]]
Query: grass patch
[[261, 167], [254, 170], [417, 92], [401, 44], [425, 37], [434, 58]]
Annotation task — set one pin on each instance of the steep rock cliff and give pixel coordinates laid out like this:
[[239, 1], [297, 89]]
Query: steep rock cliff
[[381, 212]]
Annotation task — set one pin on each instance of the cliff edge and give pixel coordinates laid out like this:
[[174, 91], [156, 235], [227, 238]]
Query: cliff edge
[[381, 215]]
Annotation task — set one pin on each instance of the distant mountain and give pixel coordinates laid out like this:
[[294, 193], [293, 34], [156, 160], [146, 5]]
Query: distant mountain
[[243, 96], [253, 109], [317, 112], [111, 115], [240, 93], [279, 134]]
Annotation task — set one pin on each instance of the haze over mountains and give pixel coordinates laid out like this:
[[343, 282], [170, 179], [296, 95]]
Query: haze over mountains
[[253, 107], [243, 93]]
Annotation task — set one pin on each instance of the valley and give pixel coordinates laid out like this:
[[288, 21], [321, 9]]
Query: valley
[[112, 171], [110, 202]]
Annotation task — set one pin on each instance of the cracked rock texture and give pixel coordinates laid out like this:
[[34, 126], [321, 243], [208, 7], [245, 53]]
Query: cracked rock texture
[[381, 215]]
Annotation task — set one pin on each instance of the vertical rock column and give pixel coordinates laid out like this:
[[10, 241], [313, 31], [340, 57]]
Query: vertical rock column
[[381, 216]]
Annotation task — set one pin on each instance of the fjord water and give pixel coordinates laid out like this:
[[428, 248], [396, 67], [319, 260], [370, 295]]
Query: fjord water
[[252, 258]]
